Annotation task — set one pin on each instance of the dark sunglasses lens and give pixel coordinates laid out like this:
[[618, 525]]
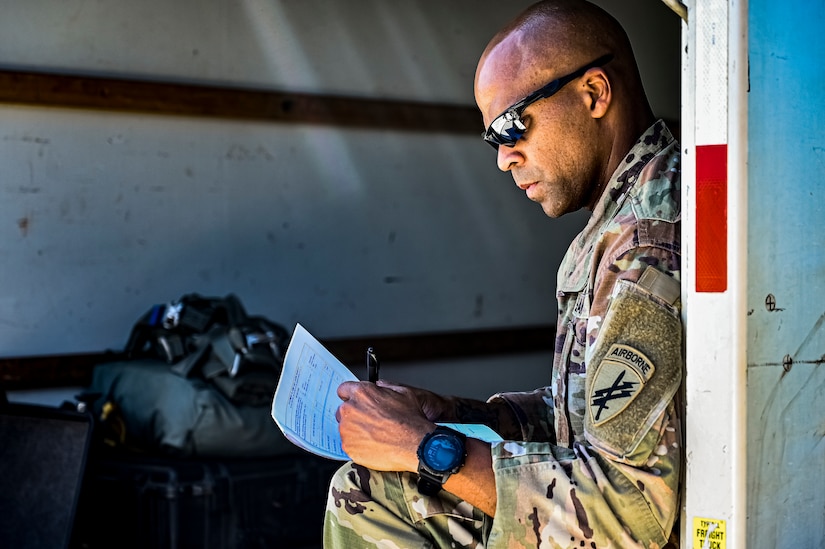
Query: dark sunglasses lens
[[504, 130]]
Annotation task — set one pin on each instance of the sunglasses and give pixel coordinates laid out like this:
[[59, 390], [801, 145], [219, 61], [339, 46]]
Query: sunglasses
[[508, 127]]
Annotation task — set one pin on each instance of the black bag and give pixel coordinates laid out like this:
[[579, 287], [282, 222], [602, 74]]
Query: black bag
[[197, 380], [150, 502], [215, 338]]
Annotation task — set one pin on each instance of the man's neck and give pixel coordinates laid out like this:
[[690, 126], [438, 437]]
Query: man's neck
[[624, 139]]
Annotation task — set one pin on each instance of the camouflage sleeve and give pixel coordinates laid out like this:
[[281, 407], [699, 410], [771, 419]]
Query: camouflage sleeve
[[617, 485], [533, 410], [550, 496]]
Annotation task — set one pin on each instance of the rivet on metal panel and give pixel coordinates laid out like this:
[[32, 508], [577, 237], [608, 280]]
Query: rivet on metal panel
[[787, 363], [770, 303]]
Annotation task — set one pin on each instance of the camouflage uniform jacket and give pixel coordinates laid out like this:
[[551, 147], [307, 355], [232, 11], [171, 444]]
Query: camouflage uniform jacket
[[599, 464]]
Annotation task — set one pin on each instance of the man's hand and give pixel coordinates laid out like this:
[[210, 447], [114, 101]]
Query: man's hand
[[382, 424]]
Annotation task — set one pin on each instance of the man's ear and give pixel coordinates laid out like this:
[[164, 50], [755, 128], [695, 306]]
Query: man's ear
[[597, 92]]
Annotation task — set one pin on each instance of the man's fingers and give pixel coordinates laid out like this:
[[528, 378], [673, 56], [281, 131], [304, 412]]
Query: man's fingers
[[346, 389], [397, 387]]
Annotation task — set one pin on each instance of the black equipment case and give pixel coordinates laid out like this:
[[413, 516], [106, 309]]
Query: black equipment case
[[43, 454], [134, 502]]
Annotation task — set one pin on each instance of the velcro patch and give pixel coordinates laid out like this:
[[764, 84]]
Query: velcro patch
[[619, 378]]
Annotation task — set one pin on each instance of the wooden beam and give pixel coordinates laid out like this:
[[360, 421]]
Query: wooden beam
[[445, 345], [162, 98], [76, 370]]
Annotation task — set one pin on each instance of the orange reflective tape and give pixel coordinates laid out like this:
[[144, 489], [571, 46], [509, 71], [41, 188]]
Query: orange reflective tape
[[711, 218]]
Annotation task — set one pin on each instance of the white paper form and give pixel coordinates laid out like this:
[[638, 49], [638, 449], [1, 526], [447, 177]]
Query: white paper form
[[306, 397], [475, 430]]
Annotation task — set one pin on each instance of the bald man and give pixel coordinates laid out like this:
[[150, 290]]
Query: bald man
[[593, 459]]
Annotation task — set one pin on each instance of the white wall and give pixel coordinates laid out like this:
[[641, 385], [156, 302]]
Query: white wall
[[350, 232]]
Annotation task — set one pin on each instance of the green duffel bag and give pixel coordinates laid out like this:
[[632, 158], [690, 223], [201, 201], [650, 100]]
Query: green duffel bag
[[196, 378], [144, 406]]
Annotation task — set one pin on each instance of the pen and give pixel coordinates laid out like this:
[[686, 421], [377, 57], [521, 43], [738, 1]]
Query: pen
[[372, 365]]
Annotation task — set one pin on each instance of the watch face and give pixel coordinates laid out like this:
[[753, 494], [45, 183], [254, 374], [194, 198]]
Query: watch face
[[443, 452]]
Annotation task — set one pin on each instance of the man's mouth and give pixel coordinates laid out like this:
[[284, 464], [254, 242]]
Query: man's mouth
[[529, 188]]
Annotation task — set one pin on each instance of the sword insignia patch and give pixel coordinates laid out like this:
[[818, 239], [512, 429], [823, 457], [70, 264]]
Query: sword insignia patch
[[619, 379]]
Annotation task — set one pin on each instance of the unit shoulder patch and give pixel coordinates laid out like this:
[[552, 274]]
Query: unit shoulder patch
[[618, 380]]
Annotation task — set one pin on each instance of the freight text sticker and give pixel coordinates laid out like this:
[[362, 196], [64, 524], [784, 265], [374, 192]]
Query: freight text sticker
[[708, 533]]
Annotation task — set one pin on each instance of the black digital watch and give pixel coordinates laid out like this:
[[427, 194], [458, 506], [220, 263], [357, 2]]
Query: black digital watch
[[440, 454]]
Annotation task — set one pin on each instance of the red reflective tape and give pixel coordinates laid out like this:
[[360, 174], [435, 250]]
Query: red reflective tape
[[711, 218]]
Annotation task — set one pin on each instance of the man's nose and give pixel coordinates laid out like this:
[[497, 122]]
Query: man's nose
[[508, 158]]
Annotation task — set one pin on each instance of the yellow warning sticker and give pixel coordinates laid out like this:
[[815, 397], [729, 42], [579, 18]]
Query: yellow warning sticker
[[708, 533]]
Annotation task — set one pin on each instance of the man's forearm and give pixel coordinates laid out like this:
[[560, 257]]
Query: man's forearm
[[475, 482]]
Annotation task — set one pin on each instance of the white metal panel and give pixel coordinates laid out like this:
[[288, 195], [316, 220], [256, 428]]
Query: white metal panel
[[714, 105], [409, 50], [416, 49], [107, 214], [776, 284], [351, 232]]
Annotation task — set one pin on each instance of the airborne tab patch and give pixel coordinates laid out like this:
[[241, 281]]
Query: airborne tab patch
[[619, 378]]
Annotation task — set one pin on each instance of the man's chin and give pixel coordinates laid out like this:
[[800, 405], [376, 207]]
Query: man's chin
[[553, 210]]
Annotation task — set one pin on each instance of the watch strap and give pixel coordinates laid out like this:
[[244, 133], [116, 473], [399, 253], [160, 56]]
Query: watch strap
[[428, 486]]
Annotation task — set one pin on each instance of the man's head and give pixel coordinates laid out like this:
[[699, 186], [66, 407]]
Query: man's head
[[568, 140]]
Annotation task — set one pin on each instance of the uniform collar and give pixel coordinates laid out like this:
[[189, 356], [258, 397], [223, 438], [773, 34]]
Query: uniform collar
[[576, 264]]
